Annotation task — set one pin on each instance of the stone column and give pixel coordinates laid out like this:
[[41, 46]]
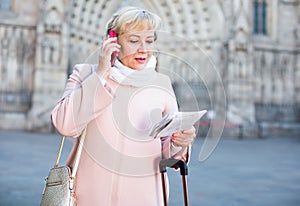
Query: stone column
[[239, 78], [51, 63], [289, 38], [297, 68]]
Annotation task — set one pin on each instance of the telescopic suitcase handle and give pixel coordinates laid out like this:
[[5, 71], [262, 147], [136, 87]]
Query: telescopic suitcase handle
[[174, 163]]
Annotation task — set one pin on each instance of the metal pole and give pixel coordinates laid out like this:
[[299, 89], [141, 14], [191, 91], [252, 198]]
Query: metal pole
[[185, 190], [163, 181]]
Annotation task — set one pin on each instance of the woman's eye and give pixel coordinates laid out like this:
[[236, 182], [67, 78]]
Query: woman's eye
[[150, 42], [133, 41]]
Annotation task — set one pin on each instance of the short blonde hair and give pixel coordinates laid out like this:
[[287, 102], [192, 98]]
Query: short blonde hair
[[130, 17]]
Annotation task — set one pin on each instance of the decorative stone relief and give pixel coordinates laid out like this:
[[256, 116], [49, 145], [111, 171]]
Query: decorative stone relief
[[51, 63], [53, 21]]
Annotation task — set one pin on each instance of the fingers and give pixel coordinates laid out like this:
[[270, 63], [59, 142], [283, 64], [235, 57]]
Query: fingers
[[108, 47], [184, 138], [182, 142]]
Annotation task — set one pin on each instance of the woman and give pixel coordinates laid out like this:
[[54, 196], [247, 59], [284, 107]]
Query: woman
[[118, 105]]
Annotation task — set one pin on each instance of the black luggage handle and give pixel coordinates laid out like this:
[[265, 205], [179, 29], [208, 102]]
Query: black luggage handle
[[174, 163]]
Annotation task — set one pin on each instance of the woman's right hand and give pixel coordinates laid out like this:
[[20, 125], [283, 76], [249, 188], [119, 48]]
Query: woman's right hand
[[109, 46]]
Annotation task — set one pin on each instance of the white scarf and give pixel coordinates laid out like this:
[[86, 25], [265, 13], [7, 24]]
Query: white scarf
[[137, 78]]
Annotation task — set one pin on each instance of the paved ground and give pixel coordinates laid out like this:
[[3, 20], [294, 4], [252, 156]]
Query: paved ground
[[260, 172]]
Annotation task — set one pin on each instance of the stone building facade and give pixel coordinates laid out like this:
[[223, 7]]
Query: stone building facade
[[240, 59]]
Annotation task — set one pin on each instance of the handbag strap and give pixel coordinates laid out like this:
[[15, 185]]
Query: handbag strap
[[59, 152], [77, 155]]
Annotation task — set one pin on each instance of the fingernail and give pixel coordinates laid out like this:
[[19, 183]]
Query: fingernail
[[176, 134]]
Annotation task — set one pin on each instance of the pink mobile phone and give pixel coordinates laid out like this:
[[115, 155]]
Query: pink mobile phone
[[114, 55]]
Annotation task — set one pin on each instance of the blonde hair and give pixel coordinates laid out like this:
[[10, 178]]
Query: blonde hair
[[128, 18]]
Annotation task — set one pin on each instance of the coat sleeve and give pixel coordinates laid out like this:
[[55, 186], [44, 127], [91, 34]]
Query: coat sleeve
[[168, 149], [84, 99]]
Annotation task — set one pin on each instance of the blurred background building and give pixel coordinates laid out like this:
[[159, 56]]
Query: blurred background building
[[239, 58]]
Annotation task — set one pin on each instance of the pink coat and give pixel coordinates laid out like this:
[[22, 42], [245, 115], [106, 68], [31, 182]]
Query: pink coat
[[119, 162]]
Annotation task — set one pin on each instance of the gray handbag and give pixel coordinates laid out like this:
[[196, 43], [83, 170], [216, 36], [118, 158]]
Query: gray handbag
[[59, 189]]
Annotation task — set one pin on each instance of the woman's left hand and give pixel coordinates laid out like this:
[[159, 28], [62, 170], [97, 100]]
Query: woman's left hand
[[185, 138]]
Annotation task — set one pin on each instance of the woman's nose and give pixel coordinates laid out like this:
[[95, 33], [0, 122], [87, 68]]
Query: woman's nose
[[142, 47]]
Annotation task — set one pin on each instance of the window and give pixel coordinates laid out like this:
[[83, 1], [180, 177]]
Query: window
[[5, 4], [260, 17]]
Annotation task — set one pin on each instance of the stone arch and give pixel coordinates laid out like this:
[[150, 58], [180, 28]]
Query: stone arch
[[201, 22]]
